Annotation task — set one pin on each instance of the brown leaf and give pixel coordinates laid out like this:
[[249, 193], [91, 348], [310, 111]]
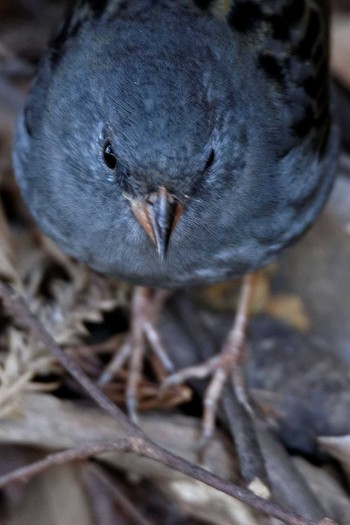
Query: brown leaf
[[289, 308], [52, 424]]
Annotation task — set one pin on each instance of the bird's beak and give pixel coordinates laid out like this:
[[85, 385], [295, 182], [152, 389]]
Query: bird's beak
[[158, 213]]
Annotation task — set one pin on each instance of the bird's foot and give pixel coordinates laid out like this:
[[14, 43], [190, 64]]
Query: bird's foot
[[222, 367], [143, 336]]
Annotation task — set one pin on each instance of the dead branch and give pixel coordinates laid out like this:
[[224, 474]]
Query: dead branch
[[135, 440]]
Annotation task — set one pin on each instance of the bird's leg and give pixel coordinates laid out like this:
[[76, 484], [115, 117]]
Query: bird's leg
[[145, 308], [139, 305], [230, 361], [223, 366]]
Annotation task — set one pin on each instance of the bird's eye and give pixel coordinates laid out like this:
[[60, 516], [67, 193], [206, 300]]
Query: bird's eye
[[109, 156], [210, 160]]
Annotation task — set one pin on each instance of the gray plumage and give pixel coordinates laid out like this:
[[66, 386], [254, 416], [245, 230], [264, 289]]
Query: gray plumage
[[224, 104]]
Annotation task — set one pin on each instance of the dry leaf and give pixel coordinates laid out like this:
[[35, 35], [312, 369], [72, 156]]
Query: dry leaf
[[338, 448], [55, 497], [327, 489], [7, 257], [289, 308], [49, 423], [224, 296], [340, 56], [211, 506]]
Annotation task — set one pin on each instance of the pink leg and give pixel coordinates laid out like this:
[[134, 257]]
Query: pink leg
[[224, 365], [145, 308]]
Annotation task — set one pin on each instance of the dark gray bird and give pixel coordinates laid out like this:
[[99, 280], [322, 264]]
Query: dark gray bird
[[178, 142]]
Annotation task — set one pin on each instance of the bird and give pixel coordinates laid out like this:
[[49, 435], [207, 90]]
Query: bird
[[175, 143]]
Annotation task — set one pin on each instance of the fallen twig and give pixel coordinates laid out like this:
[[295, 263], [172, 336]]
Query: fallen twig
[[135, 440]]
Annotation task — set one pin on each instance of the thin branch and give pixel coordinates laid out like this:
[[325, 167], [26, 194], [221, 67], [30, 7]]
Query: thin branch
[[60, 458], [251, 461], [194, 471], [114, 486], [147, 449], [136, 441]]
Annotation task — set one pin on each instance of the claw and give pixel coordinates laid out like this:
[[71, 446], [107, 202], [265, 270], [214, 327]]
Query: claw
[[220, 367], [193, 372], [116, 364], [145, 307]]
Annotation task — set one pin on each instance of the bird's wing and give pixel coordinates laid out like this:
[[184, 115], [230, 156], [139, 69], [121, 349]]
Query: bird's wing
[[291, 39]]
